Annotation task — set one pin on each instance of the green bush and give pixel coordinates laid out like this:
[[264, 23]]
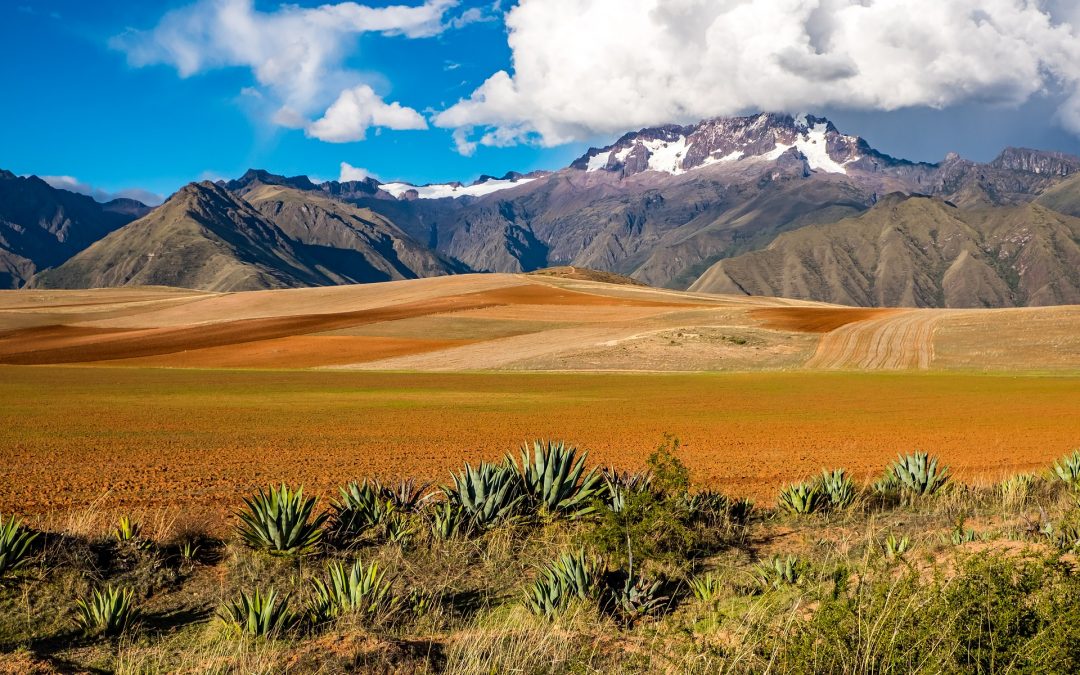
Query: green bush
[[1067, 469]]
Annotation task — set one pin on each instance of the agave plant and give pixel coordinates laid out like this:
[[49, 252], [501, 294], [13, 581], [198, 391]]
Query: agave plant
[[708, 506], [406, 495], [552, 478], [777, 572], [801, 498], [107, 613], [741, 510], [569, 577], [447, 519], [488, 494], [621, 484], [280, 522], [259, 614], [362, 589], [15, 540], [397, 527], [635, 599], [839, 489], [918, 474], [706, 587], [1068, 469], [362, 506], [896, 548], [127, 529]]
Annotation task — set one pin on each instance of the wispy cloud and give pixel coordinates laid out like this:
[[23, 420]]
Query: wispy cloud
[[72, 184]]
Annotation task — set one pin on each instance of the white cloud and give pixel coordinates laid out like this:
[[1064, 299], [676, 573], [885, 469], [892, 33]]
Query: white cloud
[[350, 172], [358, 109], [72, 184], [296, 54], [587, 67]]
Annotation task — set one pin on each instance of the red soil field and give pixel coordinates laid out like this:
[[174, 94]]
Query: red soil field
[[195, 441]]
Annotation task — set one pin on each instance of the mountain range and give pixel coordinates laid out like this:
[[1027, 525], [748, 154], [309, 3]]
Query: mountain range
[[768, 204]]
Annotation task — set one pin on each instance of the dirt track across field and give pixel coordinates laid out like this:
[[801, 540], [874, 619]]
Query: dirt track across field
[[896, 341]]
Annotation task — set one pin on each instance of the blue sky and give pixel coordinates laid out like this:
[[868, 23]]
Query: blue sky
[[76, 105]]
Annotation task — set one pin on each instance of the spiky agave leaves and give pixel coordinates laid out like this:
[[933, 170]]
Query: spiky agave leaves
[[279, 521], [1067, 469], [572, 576], [259, 614], [448, 519], [802, 498], [553, 480], [619, 485], [635, 599], [778, 572], [918, 474], [406, 495], [15, 541], [361, 507], [487, 494], [360, 589], [837, 488], [107, 612]]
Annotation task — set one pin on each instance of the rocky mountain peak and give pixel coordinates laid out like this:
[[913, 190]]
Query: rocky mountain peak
[[253, 177], [677, 149], [1037, 161]]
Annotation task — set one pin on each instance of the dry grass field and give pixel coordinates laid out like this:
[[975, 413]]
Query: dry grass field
[[154, 437]]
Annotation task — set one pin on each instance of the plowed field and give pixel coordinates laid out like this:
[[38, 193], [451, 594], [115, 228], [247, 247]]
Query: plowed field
[[163, 439]]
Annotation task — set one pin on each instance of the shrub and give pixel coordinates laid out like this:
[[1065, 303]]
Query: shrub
[[15, 541], [917, 474], [488, 494], [259, 614], [1067, 469], [838, 489], [552, 478], [107, 613], [279, 521], [801, 498], [1016, 490], [569, 577], [360, 590]]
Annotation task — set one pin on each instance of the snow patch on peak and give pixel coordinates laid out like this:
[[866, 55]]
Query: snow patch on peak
[[666, 156], [814, 146], [598, 161], [445, 190]]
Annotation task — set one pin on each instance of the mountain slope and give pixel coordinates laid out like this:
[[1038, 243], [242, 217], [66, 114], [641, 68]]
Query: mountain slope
[[664, 204], [42, 226], [356, 244], [203, 237], [917, 252]]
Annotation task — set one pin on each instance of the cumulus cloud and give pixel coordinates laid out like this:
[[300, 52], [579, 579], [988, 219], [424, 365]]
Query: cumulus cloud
[[72, 184], [588, 67], [296, 54], [358, 109], [350, 172]]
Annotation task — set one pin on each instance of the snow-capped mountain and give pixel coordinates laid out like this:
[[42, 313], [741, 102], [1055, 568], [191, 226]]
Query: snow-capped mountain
[[677, 149]]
